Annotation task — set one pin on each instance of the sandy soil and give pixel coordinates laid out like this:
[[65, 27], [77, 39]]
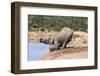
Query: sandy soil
[[68, 53]]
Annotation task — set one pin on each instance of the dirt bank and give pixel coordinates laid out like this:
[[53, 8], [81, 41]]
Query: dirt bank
[[68, 53]]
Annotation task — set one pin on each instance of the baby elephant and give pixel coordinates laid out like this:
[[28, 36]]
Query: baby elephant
[[60, 40]]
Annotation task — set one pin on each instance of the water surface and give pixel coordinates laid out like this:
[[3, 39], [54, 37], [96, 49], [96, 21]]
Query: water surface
[[37, 50]]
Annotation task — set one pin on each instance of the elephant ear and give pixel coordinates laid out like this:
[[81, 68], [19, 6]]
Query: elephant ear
[[51, 41]]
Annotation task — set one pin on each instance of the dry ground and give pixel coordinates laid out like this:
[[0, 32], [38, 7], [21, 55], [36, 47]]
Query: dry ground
[[76, 49], [68, 53]]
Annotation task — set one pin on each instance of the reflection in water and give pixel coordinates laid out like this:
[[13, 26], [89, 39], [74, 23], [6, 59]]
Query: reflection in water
[[37, 50]]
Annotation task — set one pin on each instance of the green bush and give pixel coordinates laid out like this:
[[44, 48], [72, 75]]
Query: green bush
[[57, 22]]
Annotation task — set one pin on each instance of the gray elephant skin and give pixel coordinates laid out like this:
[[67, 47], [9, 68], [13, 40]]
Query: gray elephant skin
[[60, 40]]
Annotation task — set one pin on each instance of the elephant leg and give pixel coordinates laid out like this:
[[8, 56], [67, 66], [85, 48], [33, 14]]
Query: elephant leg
[[70, 39], [66, 42], [56, 43], [52, 47], [63, 45]]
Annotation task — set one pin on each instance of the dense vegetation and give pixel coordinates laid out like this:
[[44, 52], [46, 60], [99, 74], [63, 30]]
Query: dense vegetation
[[41, 22]]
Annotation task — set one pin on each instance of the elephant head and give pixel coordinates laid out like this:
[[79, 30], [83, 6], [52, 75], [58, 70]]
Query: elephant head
[[47, 40]]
